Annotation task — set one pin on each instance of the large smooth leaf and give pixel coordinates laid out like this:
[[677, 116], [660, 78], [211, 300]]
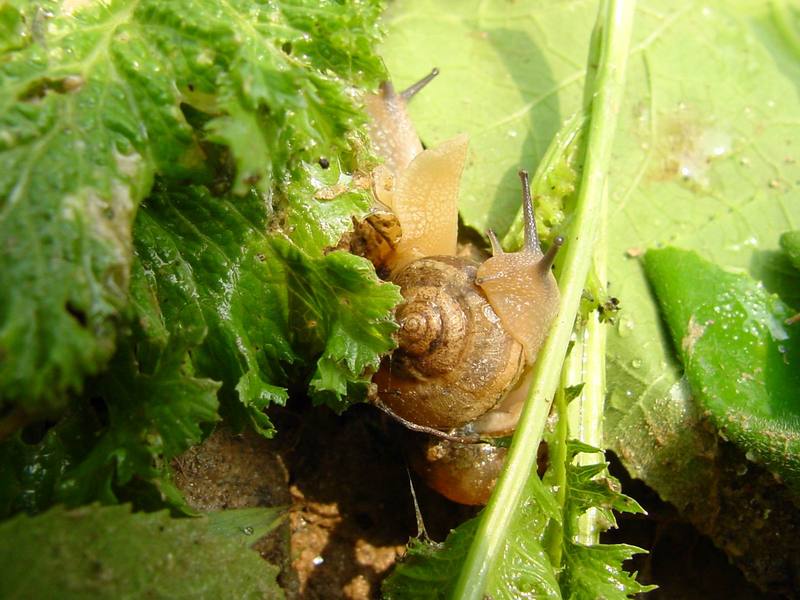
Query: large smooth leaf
[[704, 159]]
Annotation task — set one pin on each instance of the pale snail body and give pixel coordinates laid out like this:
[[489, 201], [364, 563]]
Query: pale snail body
[[464, 473], [468, 331]]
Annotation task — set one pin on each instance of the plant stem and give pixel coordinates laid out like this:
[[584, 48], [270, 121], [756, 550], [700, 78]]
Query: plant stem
[[615, 22], [554, 542], [586, 412]]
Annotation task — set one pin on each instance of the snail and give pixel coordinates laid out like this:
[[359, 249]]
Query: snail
[[468, 331]]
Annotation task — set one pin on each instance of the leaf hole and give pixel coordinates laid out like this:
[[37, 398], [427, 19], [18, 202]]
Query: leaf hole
[[63, 85], [77, 313], [100, 410], [34, 433]]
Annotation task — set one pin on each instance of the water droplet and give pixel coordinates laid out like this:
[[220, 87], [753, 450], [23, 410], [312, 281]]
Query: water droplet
[[317, 560], [636, 363], [625, 326], [248, 530]]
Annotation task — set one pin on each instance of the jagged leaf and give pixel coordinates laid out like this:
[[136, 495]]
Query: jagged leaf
[[266, 303], [96, 98], [596, 572], [147, 408]]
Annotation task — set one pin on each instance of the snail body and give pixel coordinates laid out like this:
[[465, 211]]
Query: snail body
[[469, 331]]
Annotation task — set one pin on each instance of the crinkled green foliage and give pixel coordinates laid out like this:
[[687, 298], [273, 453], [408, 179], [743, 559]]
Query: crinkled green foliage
[[741, 358], [273, 313], [117, 440], [219, 284], [107, 552], [430, 570], [252, 310], [97, 98]]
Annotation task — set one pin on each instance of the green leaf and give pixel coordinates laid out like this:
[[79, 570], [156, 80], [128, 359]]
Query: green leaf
[[704, 159], [790, 244], [145, 410], [596, 572], [111, 553], [94, 100], [430, 570], [266, 303], [741, 360]]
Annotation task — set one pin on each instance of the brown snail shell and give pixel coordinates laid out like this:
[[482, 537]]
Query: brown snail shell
[[455, 360]]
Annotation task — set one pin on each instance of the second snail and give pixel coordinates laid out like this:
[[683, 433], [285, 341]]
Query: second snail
[[469, 331]]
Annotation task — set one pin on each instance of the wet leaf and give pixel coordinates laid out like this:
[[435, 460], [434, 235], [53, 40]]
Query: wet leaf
[[741, 359], [109, 552]]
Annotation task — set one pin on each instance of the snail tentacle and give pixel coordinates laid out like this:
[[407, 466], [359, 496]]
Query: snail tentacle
[[496, 247], [532, 243], [412, 90]]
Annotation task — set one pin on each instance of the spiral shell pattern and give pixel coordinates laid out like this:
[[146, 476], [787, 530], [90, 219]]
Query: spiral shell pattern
[[455, 361]]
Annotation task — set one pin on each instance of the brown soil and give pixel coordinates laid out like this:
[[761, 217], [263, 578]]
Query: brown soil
[[350, 510], [345, 482]]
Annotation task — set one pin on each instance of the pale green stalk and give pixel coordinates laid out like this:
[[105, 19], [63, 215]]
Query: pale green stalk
[[615, 21], [586, 411]]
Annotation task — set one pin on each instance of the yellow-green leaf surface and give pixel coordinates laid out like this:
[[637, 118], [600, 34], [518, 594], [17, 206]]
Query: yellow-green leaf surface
[[705, 158]]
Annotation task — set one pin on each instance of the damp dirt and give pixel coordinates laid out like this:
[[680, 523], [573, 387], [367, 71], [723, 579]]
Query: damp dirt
[[344, 484]]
